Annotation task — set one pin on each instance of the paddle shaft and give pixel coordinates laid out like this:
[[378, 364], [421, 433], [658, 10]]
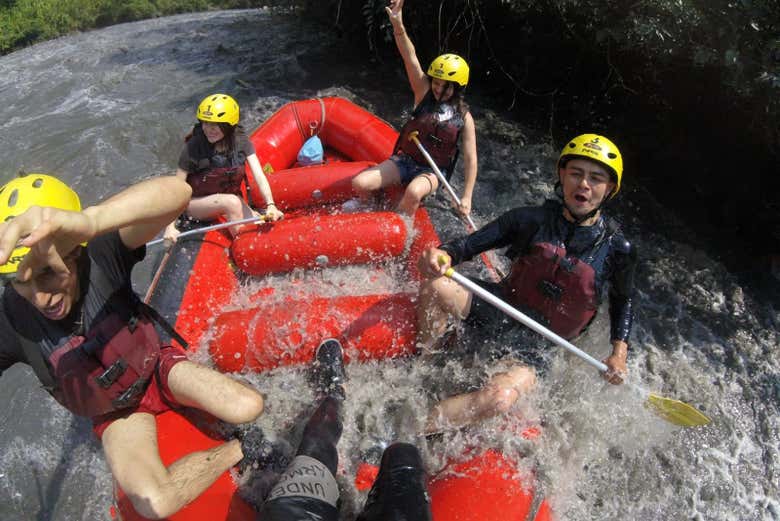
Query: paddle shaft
[[442, 179], [205, 229], [495, 272], [523, 319]]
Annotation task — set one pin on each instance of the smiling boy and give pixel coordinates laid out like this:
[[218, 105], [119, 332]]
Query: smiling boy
[[565, 255]]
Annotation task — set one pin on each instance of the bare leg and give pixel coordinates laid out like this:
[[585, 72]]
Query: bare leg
[[440, 300], [131, 450], [420, 187], [130, 445], [496, 397], [216, 205], [372, 179], [220, 395]]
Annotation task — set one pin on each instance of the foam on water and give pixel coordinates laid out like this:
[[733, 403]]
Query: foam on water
[[106, 108]]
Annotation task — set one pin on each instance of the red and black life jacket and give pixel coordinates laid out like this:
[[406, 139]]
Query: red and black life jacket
[[439, 126], [222, 180], [558, 289], [215, 173], [106, 369]]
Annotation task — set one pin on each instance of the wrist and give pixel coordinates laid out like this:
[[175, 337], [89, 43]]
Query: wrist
[[620, 349], [270, 204]]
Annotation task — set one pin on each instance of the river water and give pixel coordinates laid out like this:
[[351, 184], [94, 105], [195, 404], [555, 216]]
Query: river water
[[107, 108]]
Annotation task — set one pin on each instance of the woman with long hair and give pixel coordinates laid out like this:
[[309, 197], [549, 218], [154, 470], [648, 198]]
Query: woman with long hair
[[212, 162], [442, 120]]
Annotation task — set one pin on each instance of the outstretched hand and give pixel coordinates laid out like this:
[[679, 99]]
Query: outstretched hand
[[50, 234], [394, 11]]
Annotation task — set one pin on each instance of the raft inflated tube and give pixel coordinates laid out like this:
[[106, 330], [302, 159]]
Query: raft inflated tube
[[320, 241], [486, 487], [265, 337], [315, 185]]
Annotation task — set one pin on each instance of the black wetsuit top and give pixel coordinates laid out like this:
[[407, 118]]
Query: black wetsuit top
[[520, 228]]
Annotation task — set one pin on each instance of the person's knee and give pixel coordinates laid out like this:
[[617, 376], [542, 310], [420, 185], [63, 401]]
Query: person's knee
[[151, 501], [505, 388], [439, 292], [234, 207], [435, 290], [500, 399], [364, 182], [248, 405], [416, 191]]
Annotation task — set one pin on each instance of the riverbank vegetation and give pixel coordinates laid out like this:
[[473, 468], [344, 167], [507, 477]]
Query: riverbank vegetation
[[24, 22], [690, 89]]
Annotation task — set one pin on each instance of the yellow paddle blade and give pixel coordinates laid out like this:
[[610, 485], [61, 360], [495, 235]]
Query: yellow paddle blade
[[676, 412]]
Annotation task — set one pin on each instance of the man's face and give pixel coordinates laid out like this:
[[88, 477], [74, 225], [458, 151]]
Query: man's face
[[585, 185], [52, 293]]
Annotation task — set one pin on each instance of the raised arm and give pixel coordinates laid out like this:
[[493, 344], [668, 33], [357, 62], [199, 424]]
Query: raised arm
[[138, 212], [171, 232], [417, 78], [142, 210]]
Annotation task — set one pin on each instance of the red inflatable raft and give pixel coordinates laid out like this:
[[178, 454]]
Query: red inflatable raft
[[196, 283]]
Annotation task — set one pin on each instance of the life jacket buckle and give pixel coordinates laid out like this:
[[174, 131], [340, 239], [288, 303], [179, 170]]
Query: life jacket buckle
[[112, 374], [550, 289], [132, 323], [125, 399]]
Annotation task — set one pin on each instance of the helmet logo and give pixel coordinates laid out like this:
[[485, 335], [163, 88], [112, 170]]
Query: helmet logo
[[593, 145]]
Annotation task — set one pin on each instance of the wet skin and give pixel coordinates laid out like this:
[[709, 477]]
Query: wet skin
[[585, 185], [212, 131], [442, 90], [50, 292]]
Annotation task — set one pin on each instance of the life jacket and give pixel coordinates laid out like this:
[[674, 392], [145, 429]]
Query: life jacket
[[438, 126], [106, 369], [557, 289], [217, 173]]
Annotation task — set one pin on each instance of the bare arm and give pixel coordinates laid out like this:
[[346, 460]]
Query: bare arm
[[171, 233], [469, 144], [417, 79], [138, 212], [265, 189], [142, 210]]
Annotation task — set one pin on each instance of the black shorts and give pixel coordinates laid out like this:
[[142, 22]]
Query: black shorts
[[492, 334]]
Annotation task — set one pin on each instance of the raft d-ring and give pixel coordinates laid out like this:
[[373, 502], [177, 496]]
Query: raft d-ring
[[312, 127]]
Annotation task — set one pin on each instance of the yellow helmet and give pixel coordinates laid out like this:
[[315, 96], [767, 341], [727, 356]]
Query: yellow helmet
[[218, 108], [32, 190], [599, 149], [450, 67]]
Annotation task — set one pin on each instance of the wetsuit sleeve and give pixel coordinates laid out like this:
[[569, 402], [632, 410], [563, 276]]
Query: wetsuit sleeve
[[621, 290], [510, 227], [114, 257]]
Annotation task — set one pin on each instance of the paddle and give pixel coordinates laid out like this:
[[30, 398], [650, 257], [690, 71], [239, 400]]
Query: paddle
[[167, 256], [497, 275], [205, 229], [673, 411]]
